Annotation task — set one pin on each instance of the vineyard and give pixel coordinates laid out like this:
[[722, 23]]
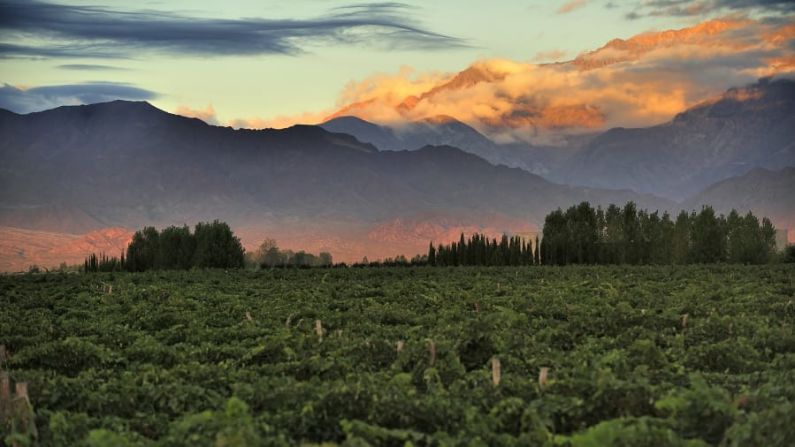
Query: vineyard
[[576, 355]]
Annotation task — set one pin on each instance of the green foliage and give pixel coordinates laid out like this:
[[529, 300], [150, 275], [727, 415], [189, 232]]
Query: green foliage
[[211, 245], [480, 250], [268, 255], [584, 235], [232, 427], [176, 249], [216, 246], [789, 254], [101, 263], [213, 358], [700, 411], [106, 438], [630, 432], [772, 427]]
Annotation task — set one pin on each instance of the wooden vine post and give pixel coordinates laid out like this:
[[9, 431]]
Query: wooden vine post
[[431, 353], [5, 396], [16, 412], [496, 371], [319, 329], [542, 377]]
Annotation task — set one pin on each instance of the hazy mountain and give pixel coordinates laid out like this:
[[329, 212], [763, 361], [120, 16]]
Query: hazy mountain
[[447, 131], [767, 193], [123, 161], [437, 131], [128, 164], [20, 248], [382, 137], [746, 128]]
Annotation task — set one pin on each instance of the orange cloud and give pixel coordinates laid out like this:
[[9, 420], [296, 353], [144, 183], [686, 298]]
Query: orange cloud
[[279, 122], [640, 81], [207, 114], [571, 5], [712, 33]]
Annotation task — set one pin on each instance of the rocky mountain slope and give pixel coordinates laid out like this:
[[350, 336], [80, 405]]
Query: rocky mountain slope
[[746, 128]]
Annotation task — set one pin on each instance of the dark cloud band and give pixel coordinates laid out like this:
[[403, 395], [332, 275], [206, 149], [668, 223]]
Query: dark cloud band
[[101, 32], [90, 67], [703, 7]]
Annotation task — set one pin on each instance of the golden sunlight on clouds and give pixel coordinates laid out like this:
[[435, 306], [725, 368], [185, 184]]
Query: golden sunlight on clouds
[[641, 81], [571, 5], [207, 114], [278, 122], [706, 35]]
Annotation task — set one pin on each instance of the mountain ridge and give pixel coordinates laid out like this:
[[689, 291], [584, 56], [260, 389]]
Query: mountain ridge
[[80, 168], [766, 192], [752, 126], [446, 130]]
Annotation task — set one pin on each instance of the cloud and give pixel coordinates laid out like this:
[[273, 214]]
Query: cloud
[[90, 67], [55, 50], [279, 122], [709, 34], [686, 8], [571, 5], [641, 81], [26, 100], [88, 31], [207, 114]]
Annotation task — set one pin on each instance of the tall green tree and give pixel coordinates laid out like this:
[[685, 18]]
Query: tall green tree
[[708, 237], [431, 254], [217, 246], [680, 243]]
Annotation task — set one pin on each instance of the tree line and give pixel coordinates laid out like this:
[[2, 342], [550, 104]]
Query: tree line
[[397, 261], [621, 235], [268, 255], [478, 249], [626, 235], [210, 245], [580, 235]]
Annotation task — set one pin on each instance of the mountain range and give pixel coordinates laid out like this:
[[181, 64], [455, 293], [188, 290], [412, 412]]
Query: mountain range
[[767, 192], [357, 188], [124, 164], [747, 127], [447, 131]]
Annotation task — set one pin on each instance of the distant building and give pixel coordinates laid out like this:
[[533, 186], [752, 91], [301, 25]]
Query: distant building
[[781, 239]]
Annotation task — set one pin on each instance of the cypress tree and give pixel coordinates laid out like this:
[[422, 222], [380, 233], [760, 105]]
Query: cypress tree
[[462, 250], [431, 254], [708, 240]]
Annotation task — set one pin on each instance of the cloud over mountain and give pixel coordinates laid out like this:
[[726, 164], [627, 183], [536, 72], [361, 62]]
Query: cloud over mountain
[[207, 114], [26, 100], [640, 81]]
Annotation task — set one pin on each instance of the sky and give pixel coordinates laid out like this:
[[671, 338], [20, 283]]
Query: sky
[[255, 63]]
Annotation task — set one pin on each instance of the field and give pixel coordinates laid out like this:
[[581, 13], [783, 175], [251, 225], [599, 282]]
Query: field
[[423, 356]]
